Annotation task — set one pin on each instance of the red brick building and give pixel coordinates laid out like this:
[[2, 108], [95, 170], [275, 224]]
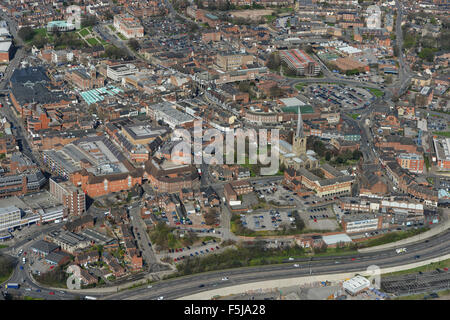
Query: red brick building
[[96, 186]]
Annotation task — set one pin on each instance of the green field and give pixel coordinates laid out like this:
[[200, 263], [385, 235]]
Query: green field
[[270, 18], [92, 41], [300, 86], [442, 133], [84, 32], [121, 36]]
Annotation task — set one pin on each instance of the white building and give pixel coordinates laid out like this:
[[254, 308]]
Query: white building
[[119, 71], [9, 217], [356, 285]]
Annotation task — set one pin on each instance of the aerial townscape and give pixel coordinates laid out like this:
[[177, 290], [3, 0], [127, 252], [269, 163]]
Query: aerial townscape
[[224, 150]]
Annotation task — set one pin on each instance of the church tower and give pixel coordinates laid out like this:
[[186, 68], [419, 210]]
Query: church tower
[[299, 143]]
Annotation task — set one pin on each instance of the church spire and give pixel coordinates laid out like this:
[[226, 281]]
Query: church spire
[[300, 133]]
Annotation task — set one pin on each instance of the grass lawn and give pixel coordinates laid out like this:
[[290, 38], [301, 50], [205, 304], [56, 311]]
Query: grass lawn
[[300, 86], [376, 92], [111, 27], [31, 298], [3, 246], [270, 18], [92, 41], [427, 162], [442, 133], [355, 115], [121, 36], [84, 32], [393, 236]]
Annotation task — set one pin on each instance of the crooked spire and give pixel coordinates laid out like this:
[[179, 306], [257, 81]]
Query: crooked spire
[[300, 133]]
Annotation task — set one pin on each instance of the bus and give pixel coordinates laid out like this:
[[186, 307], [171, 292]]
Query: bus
[[90, 298], [12, 285]]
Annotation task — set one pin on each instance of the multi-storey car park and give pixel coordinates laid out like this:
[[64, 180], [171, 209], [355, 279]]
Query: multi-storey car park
[[300, 62]]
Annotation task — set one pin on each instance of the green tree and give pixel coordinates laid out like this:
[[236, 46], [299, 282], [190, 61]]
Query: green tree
[[274, 61], [133, 44], [356, 155], [26, 33], [427, 54]]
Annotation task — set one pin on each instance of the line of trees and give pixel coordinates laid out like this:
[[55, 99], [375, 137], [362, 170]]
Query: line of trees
[[242, 256]]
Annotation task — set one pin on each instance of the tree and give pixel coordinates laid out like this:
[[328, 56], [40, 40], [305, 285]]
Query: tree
[[109, 15], [114, 52], [356, 154], [133, 44], [211, 217], [26, 33], [39, 41], [396, 51], [427, 54], [274, 61]]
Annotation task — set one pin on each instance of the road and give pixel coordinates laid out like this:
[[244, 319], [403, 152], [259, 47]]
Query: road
[[179, 287], [144, 244], [404, 78]]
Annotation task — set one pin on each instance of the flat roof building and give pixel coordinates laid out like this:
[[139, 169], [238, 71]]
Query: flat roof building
[[117, 72], [9, 217], [356, 285], [300, 62], [442, 148], [142, 134]]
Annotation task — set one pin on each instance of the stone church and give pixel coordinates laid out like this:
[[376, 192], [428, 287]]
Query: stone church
[[295, 155]]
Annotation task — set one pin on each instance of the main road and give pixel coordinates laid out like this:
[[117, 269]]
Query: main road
[[179, 287]]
